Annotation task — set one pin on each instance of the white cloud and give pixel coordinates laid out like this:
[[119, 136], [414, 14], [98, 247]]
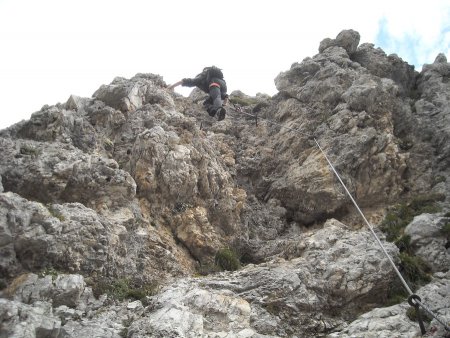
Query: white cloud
[[54, 48], [416, 35]]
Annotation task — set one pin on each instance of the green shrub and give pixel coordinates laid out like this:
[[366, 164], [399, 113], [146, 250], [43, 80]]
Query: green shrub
[[30, 150], [126, 324], [56, 213], [412, 315], [49, 271], [414, 268], [438, 179], [243, 101], [406, 144], [426, 204], [446, 229], [180, 207], [395, 221], [227, 259], [396, 295], [415, 271], [124, 288], [206, 269], [404, 244], [401, 215]]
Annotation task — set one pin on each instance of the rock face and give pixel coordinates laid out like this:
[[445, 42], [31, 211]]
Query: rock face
[[392, 321], [426, 233], [268, 298], [102, 197]]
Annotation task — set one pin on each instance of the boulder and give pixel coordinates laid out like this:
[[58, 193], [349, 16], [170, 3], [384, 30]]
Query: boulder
[[347, 39], [384, 66], [429, 241]]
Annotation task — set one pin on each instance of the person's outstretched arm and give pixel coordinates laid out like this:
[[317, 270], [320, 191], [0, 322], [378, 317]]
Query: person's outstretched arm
[[171, 87]]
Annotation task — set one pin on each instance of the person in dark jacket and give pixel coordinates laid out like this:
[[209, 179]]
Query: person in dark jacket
[[211, 81]]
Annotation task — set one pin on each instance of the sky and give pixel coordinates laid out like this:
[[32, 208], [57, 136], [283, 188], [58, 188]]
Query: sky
[[51, 49]]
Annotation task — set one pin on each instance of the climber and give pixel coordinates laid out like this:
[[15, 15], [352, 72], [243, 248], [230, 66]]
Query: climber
[[211, 81]]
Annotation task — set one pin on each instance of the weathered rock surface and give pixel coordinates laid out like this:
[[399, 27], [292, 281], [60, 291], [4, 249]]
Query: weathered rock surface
[[387, 66], [393, 321], [349, 111], [58, 172], [257, 301], [347, 39], [429, 241], [267, 299], [140, 184]]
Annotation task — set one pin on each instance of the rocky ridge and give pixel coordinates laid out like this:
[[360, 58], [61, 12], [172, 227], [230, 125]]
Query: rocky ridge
[[138, 187]]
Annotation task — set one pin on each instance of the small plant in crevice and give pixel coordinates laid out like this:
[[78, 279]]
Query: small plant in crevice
[[404, 244], [230, 258], [208, 268], [55, 213], [413, 268], [406, 144], [49, 271], [411, 313], [445, 230], [180, 207], [30, 150], [126, 324], [124, 288], [426, 203], [415, 271], [395, 221], [396, 293], [402, 214], [243, 101], [227, 259], [273, 308], [438, 179], [108, 144]]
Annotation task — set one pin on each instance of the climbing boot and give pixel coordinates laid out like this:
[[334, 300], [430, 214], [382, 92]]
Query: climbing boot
[[222, 113], [211, 111]]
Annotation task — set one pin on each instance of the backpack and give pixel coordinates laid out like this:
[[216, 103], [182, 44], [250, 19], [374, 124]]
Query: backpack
[[213, 72]]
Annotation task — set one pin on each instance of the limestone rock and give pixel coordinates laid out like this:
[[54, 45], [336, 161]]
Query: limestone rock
[[259, 299], [55, 123], [128, 96], [432, 127], [441, 58], [349, 112], [22, 320], [71, 237], [383, 66], [76, 103], [139, 186], [60, 172], [429, 241], [60, 290], [390, 321], [347, 39]]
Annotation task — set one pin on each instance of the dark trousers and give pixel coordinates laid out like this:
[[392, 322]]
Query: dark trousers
[[214, 102]]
